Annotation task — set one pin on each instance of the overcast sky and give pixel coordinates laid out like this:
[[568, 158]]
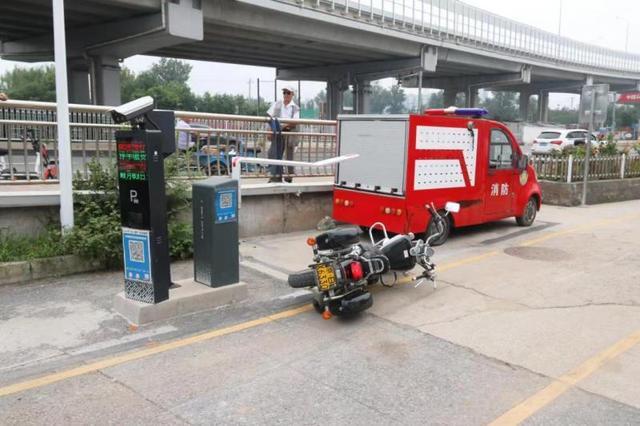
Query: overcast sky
[[601, 22]]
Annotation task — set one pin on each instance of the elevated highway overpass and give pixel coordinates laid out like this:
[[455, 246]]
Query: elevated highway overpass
[[443, 44]]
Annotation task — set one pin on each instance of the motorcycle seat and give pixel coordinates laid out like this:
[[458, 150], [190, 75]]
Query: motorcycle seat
[[339, 238]]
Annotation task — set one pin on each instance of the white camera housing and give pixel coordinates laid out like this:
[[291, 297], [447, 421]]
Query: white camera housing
[[132, 110]]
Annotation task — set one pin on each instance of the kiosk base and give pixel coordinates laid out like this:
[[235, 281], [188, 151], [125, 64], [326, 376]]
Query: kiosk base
[[186, 297]]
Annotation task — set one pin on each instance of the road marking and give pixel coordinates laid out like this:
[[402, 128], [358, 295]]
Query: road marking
[[536, 402], [533, 404], [132, 356], [468, 260]]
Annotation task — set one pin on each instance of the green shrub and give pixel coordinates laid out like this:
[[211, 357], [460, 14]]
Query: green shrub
[[97, 233], [609, 148], [18, 247]]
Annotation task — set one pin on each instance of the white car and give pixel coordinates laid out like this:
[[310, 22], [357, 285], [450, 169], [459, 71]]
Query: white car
[[550, 141]]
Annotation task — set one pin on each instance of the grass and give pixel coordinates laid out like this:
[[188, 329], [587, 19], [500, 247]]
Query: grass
[[18, 248]]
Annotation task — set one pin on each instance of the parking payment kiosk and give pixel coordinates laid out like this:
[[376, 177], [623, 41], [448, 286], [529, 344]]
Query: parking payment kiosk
[[215, 231], [140, 157]]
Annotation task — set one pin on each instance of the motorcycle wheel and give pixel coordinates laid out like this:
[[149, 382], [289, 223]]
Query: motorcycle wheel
[[301, 279]]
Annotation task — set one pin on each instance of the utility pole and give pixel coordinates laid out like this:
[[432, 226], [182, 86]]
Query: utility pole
[[613, 115], [62, 114], [559, 31], [587, 153], [249, 97]]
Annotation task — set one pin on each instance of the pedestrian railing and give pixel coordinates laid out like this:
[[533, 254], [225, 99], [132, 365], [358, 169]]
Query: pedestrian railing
[[571, 168], [212, 140]]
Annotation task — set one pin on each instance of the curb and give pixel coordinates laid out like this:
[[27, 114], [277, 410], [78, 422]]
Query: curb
[[58, 266]]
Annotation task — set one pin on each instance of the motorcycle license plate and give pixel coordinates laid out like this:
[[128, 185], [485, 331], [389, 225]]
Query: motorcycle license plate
[[326, 277]]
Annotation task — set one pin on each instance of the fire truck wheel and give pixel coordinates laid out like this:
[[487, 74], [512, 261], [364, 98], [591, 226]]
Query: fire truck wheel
[[432, 229], [529, 213]]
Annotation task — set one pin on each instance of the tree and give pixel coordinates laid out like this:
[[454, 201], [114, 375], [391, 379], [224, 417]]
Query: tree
[[171, 71], [502, 106], [230, 104], [166, 82], [436, 100], [387, 101], [35, 84], [563, 116]]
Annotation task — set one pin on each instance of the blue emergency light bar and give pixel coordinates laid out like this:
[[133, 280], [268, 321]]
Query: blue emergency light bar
[[463, 112]]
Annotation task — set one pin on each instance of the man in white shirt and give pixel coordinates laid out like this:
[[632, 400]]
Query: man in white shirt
[[280, 143], [184, 136]]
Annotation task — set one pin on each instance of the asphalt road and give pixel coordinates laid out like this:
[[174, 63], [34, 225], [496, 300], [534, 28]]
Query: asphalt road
[[533, 326]]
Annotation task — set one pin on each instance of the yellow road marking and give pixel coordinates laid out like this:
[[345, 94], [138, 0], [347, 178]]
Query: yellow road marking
[[533, 404], [468, 260], [132, 356]]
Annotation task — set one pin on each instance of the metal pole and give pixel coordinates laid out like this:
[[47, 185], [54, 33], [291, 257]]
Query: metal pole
[[587, 144], [560, 20], [626, 42], [613, 115], [559, 32], [420, 110], [258, 89], [62, 112]]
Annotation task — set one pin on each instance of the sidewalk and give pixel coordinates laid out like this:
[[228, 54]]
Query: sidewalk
[[25, 194]]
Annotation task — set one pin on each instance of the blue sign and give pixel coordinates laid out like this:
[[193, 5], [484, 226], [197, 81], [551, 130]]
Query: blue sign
[[226, 208], [137, 255]]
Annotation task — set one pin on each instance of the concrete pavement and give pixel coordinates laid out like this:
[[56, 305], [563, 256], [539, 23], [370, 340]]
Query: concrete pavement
[[546, 315]]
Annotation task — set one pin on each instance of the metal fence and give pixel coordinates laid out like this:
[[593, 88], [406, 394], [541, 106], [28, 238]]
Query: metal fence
[[212, 139], [474, 27], [571, 169]]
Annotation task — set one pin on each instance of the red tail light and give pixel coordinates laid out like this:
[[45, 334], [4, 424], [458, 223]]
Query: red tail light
[[356, 271], [556, 142]]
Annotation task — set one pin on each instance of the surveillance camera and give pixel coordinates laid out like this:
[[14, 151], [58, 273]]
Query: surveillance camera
[[132, 110]]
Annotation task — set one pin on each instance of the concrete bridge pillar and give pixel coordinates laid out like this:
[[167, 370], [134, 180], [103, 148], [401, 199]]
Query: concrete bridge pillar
[[543, 106], [362, 97], [525, 97], [450, 97], [106, 81], [471, 97], [335, 89], [78, 80]]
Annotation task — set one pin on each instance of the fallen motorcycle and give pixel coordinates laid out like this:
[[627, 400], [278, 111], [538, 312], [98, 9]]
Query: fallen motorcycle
[[344, 267]]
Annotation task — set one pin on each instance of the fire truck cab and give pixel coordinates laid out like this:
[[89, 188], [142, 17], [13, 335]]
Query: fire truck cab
[[409, 161]]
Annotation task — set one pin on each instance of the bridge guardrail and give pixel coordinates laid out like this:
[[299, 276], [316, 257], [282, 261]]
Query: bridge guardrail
[[453, 20]]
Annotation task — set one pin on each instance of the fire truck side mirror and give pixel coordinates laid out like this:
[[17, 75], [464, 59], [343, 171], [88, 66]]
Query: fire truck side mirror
[[523, 161], [470, 126]]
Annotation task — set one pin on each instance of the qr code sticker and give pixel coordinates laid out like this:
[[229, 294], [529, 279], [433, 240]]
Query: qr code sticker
[[226, 200], [136, 251]]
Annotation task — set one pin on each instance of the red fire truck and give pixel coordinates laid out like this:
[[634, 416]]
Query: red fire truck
[[409, 161]]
